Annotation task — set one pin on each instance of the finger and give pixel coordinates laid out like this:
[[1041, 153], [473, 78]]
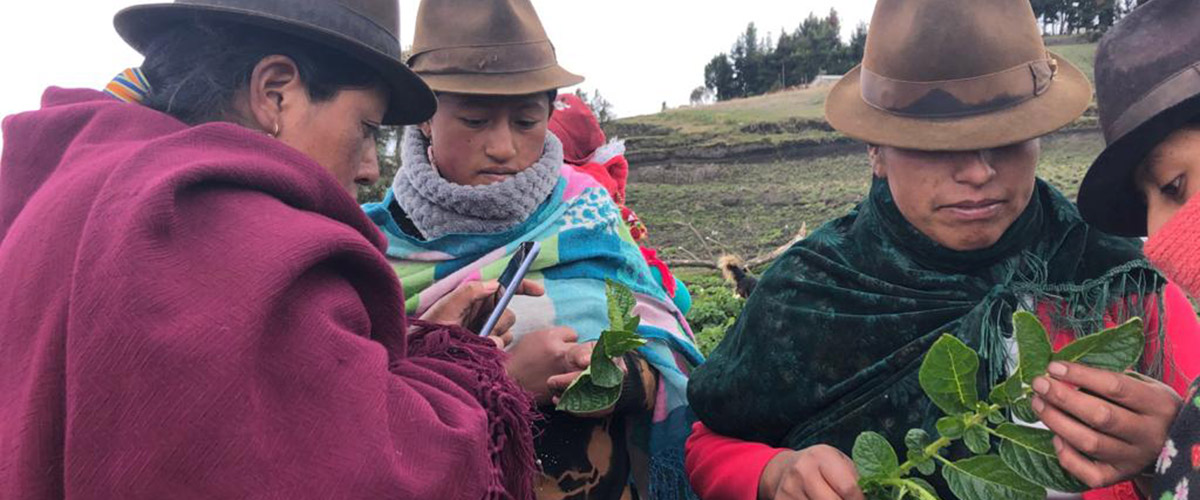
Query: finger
[[581, 355], [476, 290], [1138, 395], [504, 324], [559, 383], [1081, 437], [1099, 414], [791, 487], [817, 486], [1095, 475], [841, 475], [507, 338], [567, 334], [620, 362], [531, 288], [499, 342]]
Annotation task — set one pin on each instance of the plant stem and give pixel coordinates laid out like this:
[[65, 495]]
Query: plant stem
[[934, 448]]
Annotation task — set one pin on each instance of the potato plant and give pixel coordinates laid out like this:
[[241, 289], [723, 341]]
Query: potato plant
[[599, 386], [1025, 465]]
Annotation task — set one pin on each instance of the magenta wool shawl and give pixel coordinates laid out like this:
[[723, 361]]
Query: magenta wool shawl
[[203, 312]]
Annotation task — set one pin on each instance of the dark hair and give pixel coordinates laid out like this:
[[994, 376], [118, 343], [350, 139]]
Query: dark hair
[[196, 68]]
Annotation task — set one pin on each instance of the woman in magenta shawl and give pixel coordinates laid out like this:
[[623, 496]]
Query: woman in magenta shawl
[[194, 306]]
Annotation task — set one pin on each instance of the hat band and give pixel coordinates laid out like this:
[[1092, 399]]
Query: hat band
[[1172, 91], [490, 59], [963, 97]]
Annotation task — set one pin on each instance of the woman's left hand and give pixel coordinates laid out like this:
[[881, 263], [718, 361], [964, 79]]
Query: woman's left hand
[[581, 358], [1110, 426]]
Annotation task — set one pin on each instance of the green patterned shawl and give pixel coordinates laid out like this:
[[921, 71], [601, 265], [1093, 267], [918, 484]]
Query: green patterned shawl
[[830, 342]]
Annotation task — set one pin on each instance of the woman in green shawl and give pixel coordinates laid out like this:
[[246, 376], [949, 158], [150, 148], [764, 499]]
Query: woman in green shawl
[[956, 233]]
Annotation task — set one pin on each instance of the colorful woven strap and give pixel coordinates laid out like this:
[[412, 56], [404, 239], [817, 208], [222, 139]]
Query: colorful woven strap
[[129, 86]]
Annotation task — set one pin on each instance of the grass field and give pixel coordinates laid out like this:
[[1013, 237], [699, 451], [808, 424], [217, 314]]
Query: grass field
[[702, 211]]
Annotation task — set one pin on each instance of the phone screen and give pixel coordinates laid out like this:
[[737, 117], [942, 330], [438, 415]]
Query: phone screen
[[514, 265], [513, 273]]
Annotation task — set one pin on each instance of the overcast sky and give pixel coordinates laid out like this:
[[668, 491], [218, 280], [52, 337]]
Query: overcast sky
[[638, 53]]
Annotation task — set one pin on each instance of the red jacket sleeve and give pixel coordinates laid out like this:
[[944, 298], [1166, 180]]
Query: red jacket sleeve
[[1182, 347], [724, 468]]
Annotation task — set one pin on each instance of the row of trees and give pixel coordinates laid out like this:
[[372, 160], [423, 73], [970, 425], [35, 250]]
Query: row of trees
[[758, 65], [1067, 17]]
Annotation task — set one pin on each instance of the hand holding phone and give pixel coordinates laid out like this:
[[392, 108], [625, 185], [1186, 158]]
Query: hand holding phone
[[516, 270]]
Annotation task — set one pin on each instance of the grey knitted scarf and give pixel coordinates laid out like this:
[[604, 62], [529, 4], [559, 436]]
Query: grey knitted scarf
[[439, 207]]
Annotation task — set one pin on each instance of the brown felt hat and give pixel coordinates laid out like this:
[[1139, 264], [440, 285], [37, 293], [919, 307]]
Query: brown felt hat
[[490, 47], [956, 75], [1148, 86], [366, 30]]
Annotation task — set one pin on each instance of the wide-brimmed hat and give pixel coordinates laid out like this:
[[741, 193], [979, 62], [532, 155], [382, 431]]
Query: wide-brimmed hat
[[956, 75], [489, 47], [366, 30], [1148, 86]]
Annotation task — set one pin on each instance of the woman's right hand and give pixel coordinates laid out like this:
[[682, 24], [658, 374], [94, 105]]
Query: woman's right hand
[[816, 473], [469, 305], [540, 355]]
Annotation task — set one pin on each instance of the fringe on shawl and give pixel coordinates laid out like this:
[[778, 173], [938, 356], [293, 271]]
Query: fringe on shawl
[[1119, 295], [511, 412]]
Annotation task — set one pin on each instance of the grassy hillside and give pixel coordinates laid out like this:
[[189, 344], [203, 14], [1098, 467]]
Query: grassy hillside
[[1083, 56]]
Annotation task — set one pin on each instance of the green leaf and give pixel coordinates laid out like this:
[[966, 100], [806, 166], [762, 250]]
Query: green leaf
[[948, 375], [999, 395], [582, 396], [620, 304], [996, 417], [977, 440], [987, 478], [1023, 410], [1030, 453], [874, 456], [919, 488], [1005, 393], [1033, 346], [1115, 349], [632, 324], [620, 342], [951, 427], [927, 466], [604, 372], [917, 440]]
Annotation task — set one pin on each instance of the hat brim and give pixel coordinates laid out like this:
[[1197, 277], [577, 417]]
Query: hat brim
[[1109, 199], [410, 100], [1065, 101], [508, 84]]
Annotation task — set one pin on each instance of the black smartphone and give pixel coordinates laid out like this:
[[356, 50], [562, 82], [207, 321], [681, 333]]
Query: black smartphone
[[517, 267]]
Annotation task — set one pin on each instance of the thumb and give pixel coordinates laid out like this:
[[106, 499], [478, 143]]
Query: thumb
[[480, 289], [531, 288]]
